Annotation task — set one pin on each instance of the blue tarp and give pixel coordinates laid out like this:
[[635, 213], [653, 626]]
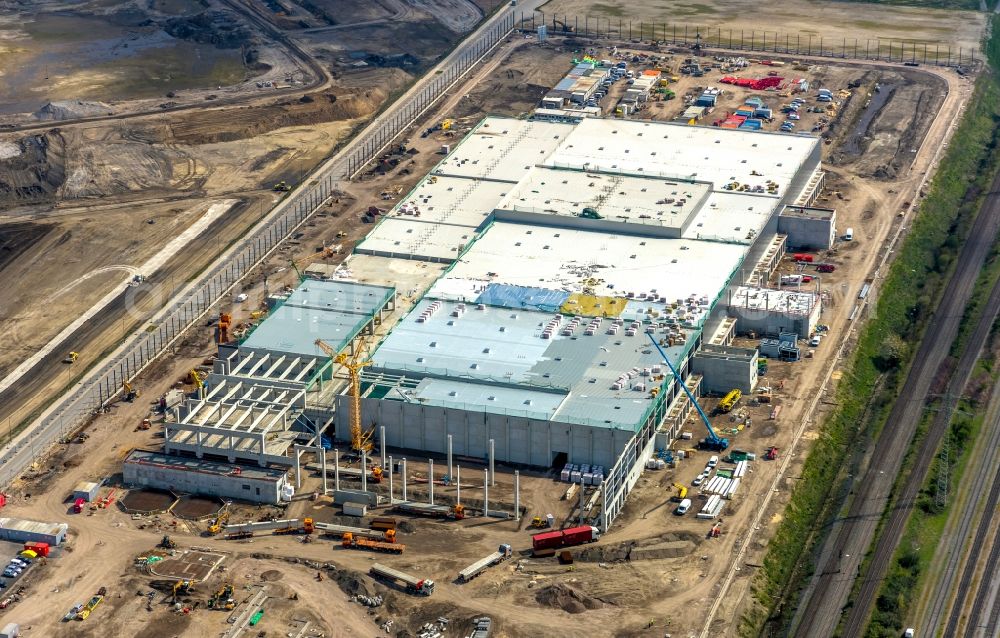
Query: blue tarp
[[508, 296]]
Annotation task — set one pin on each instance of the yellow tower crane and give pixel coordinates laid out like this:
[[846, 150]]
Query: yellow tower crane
[[361, 441]]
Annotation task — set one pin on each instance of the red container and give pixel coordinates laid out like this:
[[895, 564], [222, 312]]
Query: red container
[[563, 538], [802, 257], [42, 549]]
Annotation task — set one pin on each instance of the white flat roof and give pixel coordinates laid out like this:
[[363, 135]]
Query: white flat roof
[[504, 149], [452, 200], [593, 262], [636, 200], [413, 239], [671, 149], [773, 300], [411, 277], [731, 217]]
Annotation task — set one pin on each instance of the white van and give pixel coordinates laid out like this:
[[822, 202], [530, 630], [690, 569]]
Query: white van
[[713, 461], [683, 507], [849, 235]]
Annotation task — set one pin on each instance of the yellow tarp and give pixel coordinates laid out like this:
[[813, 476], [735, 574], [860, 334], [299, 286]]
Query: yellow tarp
[[593, 306], [29, 553]]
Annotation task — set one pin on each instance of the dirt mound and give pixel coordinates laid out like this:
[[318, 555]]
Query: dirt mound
[[36, 173], [567, 598], [406, 527], [352, 583], [17, 237], [219, 28], [71, 110], [271, 575]]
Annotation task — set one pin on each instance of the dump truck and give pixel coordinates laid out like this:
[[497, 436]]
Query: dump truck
[[565, 537], [414, 585], [360, 542], [481, 565]]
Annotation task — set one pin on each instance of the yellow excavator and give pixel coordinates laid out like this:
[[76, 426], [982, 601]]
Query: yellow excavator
[[182, 588], [682, 493], [71, 357], [219, 521], [361, 441]]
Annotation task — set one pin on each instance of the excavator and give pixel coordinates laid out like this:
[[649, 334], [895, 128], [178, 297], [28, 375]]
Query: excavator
[[167, 543], [377, 474], [682, 493], [225, 323], [223, 598], [182, 588], [129, 393], [71, 357], [219, 521]]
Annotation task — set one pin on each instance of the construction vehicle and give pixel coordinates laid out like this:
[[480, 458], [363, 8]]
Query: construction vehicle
[[182, 588], [446, 125], [129, 393], [145, 424], [219, 521], [351, 541], [424, 509], [772, 453], [281, 187], [167, 543], [383, 523], [539, 523], [71, 357], [91, 605], [222, 598], [196, 379], [377, 473], [716, 531], [730, 400], [682, 493], [457, 512], [413, 585], [76, 609], [282, 526], [360, 440], [481, 565], [387, 535], [225, 323], [713, 442]]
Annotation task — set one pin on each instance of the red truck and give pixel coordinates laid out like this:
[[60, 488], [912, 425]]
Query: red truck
[[565, 537], [78, 505]]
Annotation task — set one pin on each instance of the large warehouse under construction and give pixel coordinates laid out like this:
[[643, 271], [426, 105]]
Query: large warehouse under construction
[[508, 301]]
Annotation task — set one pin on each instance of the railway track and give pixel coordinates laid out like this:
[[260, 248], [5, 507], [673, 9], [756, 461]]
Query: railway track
[[983, 616], [953, 545], [853, 535]]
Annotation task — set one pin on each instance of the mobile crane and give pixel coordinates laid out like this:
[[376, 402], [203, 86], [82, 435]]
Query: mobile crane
[[713, 441]]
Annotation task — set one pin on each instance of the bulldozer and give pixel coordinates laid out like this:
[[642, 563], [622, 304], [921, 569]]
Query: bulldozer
[[71, 357], [281, 187], [539, 522]]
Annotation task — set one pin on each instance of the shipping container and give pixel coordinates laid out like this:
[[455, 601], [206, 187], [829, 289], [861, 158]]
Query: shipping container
[[42, 549], [565, 538], [383, 523], [355, 509]]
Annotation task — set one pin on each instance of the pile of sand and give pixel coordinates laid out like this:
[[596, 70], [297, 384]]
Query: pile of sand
[[569, 599], [71, 110]]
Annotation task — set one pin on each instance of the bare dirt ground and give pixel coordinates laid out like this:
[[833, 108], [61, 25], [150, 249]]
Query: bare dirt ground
[[654, 573], [832, 20]]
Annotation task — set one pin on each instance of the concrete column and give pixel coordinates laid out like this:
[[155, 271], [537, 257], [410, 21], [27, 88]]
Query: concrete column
[[581, 501], [451, 473], [430, 478], [298, 469], [404, 478], [322, 464], [493, 476], [517, 495], [364, 472], [458, 484], [336, 470], [390, 480], [486, 492], [381, 441]]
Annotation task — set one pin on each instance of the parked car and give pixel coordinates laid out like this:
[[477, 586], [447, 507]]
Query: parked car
[[815, 341], [698, 480], [825, 268], [683, 507]]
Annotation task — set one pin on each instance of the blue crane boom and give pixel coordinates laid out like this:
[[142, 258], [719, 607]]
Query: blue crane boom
[[714, 441]]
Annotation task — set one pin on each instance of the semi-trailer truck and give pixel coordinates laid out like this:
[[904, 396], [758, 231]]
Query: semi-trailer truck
[[483, 564], [414, 585], [565, 537]]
